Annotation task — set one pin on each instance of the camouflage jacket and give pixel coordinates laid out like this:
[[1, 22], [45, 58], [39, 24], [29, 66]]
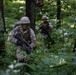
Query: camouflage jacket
[[45, 26], [28, 35]]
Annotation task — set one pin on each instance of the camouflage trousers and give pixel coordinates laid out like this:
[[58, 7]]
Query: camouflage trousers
[[47, 42], [21, 54]]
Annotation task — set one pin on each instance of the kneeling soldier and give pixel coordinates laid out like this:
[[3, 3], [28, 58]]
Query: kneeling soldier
[[24, 37]]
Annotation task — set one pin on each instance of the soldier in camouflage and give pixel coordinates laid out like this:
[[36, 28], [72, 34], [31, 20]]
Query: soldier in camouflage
[[45, 29], [27, 34]]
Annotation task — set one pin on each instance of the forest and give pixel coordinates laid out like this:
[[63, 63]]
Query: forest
[[60, 58]]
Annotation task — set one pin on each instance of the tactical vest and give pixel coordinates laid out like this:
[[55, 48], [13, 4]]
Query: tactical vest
[[26, 36], [44, 26]]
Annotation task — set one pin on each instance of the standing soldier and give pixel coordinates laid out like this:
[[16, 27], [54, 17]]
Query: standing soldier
[[45, 29], [24, 37]]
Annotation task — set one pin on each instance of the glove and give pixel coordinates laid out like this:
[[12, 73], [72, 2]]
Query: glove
[[28, 50], [18, 43]]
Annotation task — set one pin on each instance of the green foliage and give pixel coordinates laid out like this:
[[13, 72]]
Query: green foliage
[[51, 65], [13, 12], [59, 60]]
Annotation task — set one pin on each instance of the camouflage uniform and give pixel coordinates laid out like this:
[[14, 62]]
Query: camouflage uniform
[[48, 27], [27, 35]]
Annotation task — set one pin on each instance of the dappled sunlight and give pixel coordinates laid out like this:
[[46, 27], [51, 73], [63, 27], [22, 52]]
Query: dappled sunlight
[[72, 26], [62, 61], [19, 1], [59, 59]]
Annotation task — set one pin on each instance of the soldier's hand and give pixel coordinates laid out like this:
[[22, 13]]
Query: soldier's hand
[[18, 43]]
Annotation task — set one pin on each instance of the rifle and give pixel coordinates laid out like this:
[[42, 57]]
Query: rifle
[[43, 29], [25, 45], [46, 33]]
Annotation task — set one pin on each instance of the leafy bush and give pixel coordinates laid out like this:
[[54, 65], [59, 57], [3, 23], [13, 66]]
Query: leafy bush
[[59, 60]]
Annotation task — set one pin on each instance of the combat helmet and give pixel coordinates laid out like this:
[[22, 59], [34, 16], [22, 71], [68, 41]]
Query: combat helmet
[[25, 20], [44, 17]]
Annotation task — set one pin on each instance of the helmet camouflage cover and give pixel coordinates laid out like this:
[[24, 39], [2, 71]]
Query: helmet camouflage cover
[[44, 17], [25, 20]]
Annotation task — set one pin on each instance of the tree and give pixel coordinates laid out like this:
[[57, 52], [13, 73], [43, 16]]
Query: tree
[[2, 28], [58, 13], [30, 12]]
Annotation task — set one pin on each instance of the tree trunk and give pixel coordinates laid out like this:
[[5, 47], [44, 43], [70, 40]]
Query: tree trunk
[[2, 29], [30, 12], [74, 49], [58, 14]]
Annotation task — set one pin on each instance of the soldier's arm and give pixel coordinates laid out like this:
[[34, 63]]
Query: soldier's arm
[[33, 39], [40, 27], [50, 26], [12, 35]]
